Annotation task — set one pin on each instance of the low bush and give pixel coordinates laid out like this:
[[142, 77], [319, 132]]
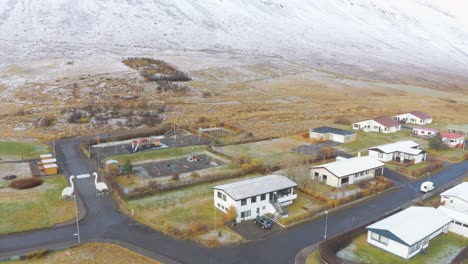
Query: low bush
[[35, 255], [329, 248], [26, 183]]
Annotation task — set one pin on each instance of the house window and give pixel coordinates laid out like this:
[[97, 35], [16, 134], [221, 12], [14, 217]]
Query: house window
[[324, 177], [243, 201], [224, 197], [362, 173], [375, 236], [245, 214], [383, 240], [263, 197], [380, 155], [219, 195], [219, 205], [253, 199], [379, 238], [422, 132], [345, 180], [386, 129]]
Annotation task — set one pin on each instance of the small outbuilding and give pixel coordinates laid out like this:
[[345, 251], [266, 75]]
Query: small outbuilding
[[408, 232], [402, 151], [333, 134], [453, 140], [424, 132], [347, 171], [50, 169]]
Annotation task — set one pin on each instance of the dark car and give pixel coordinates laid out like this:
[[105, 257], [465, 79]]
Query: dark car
[[263, 222]]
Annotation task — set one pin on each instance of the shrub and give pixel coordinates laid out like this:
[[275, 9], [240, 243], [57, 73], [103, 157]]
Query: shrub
[[196, 227], [195, 175], [26, 183], [36, 254], [230, 215], [175, 176]]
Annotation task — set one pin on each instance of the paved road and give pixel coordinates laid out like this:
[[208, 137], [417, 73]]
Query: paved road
[[104, 222]]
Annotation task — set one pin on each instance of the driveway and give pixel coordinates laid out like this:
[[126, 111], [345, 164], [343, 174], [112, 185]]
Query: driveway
[[251, 231]]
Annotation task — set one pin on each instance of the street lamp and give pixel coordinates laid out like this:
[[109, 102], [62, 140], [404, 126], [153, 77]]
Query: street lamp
[[326, 225]]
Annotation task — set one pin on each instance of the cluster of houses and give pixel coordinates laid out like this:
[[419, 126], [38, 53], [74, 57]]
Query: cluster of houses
[[409, 232]]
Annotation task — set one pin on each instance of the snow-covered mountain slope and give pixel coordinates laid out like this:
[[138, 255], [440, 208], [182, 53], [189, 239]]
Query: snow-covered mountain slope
[[366, 34]]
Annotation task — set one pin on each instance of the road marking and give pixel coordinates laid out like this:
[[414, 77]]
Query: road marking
[[81, 176]]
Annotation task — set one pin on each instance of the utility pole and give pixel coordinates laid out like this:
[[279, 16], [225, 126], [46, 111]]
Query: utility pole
[[77, 225], [326, 225]]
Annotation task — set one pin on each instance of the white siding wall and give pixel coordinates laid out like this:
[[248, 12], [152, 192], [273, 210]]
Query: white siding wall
[[383, 157], [372, 126], [392, 246], [452, 142], [455, 203], [222, 204], [459, 229], [338, 138], [332, 180]]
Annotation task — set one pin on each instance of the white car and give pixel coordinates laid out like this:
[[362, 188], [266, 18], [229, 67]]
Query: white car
[[427, 186]]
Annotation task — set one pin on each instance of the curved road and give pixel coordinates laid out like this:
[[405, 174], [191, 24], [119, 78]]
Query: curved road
[[104, 222]]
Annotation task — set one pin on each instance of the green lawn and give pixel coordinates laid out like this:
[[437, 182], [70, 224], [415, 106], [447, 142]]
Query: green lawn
[[16, 149], [366, 140], [35, 208], [167, 153], [441, 249]]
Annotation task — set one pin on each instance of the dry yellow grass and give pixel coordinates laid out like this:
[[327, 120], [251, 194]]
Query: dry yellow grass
[[91, 253]]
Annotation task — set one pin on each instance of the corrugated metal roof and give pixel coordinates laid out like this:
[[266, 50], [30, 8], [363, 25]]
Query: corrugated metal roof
[[411, 225], [350, 166], [460, 191], [256, 186], [406, 146]]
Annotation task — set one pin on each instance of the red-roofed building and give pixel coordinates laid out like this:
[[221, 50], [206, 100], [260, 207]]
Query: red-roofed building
[[453, 140], [379, 124], [415, 117]]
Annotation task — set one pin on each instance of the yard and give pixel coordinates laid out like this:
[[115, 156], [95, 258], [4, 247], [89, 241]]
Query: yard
[[270, 151], [89, 253], [416, 171], [366, 140], [35, 208], [303, 207], [14, 150], [188, 213], [161, 154], [442, 249]]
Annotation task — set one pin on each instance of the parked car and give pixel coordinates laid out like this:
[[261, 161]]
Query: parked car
[[427, 186], [263, 222]]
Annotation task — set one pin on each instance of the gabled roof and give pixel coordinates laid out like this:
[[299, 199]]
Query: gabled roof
[[460, 191], [386, 121], [346, 167], [332, 130], [256, 186], [406, 146], [426, 129], [459, 216], [410, 225], [451, 135], [420, 114]]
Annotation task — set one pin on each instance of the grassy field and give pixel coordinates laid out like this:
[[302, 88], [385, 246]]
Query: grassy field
[[39, 207], [314, 258], [168, 153], [14, 150], [179, 212], [90, 253], [441, 250], [270, 151], [304, 204], [366, 140]]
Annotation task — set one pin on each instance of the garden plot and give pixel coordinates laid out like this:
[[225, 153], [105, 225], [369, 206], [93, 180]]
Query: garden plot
[[180, 165], [270, 151]]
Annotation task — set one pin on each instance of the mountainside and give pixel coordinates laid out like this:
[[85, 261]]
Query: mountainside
[[369, 35]]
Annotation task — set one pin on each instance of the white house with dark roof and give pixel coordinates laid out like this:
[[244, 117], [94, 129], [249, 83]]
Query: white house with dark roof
[[256, 196], [333, 134], [379, 124], [454, 204], [408, 232], [424, 132], [453, 140], [402, 151], [347, 171], [415, 117]]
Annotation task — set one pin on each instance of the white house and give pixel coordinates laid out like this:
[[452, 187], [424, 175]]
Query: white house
[[453, 140], [408, 232], [454, 204], [425, 132], [415, 117], [402, 151], [379, 124], [347, 171], [257, 196], [333, 134]]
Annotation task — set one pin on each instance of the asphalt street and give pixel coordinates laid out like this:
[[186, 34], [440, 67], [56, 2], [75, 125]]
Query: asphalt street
[[104, 222]]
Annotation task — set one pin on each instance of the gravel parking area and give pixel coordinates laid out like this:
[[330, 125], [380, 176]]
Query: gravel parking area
[[251, 231]]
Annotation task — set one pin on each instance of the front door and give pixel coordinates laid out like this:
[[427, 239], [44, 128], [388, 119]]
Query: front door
[[258, 210]]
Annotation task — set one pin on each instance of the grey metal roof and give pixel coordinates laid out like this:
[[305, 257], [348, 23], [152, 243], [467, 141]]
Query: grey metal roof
[[256, 186], [332, 130], [411, 225], [350, 166]]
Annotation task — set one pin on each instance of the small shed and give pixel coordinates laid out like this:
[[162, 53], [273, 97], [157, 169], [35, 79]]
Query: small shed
[[45, 156], [48, 161], [50, 169]]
